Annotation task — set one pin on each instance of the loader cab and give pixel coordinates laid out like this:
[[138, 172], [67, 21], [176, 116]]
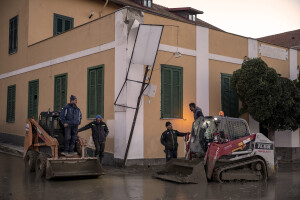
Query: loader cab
[[233, 128], [50, 122]]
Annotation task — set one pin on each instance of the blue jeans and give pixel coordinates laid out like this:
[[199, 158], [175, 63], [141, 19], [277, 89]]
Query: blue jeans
[[170, 154], [70, 138]]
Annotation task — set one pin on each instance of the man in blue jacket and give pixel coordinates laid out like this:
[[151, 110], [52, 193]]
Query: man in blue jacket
[[99, 133], [70, 117]]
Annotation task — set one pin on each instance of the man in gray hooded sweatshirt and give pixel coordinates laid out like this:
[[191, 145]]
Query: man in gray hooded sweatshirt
[[196, 110]]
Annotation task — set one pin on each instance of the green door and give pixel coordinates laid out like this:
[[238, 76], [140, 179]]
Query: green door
[[229, 99]]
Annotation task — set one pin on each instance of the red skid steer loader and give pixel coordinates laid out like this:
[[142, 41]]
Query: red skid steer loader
[[222, 149]]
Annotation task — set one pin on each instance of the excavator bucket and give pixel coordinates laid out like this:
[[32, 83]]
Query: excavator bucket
[[183, 171], [71, 167]]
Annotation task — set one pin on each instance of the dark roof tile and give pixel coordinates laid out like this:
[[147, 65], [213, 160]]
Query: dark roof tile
[[161, 10], [289, 39]]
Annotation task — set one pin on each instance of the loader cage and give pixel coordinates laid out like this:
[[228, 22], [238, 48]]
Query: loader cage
[[235, 128], [50, 122]]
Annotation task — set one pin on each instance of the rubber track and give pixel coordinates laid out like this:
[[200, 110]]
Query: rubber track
[[217, 172]]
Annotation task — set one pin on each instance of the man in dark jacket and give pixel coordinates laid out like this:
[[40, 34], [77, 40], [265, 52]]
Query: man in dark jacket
[[70, 117], [196, 110], [169, 140], [99, 133]]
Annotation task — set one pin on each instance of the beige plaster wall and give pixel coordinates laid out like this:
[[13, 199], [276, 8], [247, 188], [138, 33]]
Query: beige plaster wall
[[215, 70], [41, 15], [176, 33], [81, 38], [154, 126], [281, 66], [8, 10], [77, 85], [227, 44]]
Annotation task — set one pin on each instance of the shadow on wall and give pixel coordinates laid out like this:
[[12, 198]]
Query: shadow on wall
[[12, 139]]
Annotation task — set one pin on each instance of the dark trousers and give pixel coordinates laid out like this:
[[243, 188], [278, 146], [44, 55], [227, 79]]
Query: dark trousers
[[70, 138], [170, 154], [100, 146]]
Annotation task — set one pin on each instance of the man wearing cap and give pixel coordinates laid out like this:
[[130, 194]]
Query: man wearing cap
[[99, 133], [70, 117], [169, 140]]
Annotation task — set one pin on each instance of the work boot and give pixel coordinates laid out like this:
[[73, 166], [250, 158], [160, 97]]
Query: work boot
[[64, 153]]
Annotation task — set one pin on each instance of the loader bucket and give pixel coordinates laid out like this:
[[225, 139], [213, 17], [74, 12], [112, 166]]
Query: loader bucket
[[183, 171], [73, 167]]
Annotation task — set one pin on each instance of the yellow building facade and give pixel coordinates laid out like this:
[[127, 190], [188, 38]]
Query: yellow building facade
[[97, 37]]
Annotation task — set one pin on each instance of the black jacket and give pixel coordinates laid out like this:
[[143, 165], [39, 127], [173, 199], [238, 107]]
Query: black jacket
[[169, 139], [99, 130]]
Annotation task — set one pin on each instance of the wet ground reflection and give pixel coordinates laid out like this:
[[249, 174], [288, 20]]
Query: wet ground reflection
[[16, 184]]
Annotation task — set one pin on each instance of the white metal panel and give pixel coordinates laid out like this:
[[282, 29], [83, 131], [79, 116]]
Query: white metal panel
[[146, 44], [150, 91]]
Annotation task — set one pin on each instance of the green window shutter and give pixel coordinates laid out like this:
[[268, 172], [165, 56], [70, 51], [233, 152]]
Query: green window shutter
[[62, 23], [11, 103], [13, 35], [166, 93], [92, 93], [33, 99], [95, 91], [171, 92], [60, 91], [177, 93], [59, 27], [229, 99], [100, 89], [64, 88], [67, 25]]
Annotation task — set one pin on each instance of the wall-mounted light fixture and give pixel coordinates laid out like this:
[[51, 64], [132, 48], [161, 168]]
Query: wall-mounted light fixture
[[177, 54], [91, 14]]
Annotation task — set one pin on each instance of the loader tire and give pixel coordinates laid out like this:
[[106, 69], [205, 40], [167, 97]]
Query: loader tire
[[30, 160], [40, 167]]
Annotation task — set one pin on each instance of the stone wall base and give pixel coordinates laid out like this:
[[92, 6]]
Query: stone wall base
[[288, 154]]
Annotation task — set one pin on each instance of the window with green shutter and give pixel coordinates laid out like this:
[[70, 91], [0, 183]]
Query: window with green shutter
[[229, 99], [95, 91], [171, 91], [62, 24], [13, 35], [145, 3], [33, 99], [60, 91], [11, 103]]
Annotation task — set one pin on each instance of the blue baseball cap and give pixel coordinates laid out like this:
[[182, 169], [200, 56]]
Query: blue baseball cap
[[99, 116]]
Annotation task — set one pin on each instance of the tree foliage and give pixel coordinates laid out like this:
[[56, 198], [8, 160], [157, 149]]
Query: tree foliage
[[270, 99]]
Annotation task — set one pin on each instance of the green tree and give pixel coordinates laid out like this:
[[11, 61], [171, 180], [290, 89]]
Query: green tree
[[269, 98]]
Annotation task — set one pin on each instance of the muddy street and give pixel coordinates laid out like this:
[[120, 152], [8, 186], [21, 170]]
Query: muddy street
[[16, 184]]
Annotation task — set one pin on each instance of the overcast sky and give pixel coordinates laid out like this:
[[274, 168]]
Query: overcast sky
[[250, 18]]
